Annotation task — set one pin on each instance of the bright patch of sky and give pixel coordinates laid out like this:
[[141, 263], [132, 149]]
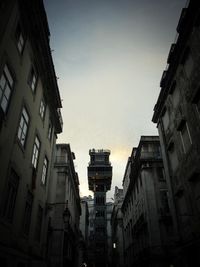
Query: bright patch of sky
[[109, 56]]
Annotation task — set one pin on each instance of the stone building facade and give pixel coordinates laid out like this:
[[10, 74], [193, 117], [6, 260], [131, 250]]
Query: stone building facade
[[64, 236], [91, 225], [117, 230], [84, 226], [109, 209], [30, 120], [147, 220], [177, 115]]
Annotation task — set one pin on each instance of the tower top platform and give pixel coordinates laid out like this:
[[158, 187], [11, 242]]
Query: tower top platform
[[99, 169]]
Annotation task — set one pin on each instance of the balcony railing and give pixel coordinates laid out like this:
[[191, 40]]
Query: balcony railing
[[61, 160], [171, 53], [163, 79], [150, 155], [100, 151]]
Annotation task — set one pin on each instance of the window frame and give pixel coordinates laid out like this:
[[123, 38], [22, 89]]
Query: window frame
[[19, 38], [24, 122], [184, 125], [36, 152], [8, 82], [42, 109], [45, 168], [33, 79], [50, 130]]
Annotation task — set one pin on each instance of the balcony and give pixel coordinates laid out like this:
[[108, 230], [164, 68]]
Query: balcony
[[163, 79], [100, 172], [99, 151], [61, 161], [99, 163], [171, 53], [182, 21], [150, 155]]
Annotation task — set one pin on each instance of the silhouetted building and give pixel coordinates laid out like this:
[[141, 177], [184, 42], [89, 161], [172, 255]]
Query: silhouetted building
[[177, 114], [109, 209], [147, 220], [64, 200], [99, 180], [84, 226], [84, 219], [90, 246], [30, 120], [117, 230]]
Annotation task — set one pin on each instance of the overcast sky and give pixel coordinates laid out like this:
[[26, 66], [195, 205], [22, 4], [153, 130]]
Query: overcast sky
[[109, 56]]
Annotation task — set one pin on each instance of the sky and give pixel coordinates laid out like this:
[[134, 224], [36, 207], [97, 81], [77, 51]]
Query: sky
[[109, 56]]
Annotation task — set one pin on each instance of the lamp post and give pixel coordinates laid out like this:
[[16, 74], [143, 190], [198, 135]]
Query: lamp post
[[59, 234]]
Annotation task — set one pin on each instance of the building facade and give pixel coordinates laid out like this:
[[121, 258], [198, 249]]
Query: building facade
[[90, 244], [64, 200], [84, 226], [109, 209], [117, 230], [30, 120], [99, 180], [84, 219], [147, 219], [177, 115]]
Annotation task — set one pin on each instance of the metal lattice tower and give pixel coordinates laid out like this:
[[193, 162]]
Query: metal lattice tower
[[99, 181]]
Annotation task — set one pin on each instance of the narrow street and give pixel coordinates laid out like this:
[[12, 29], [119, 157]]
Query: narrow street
[[99, 133]]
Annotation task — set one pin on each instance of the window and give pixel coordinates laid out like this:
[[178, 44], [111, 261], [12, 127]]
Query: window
[[50, 130], [38, 227], [185, 136], [19, 39], [45, 170], [10, 200], [42, 109], [32, 81], [36, 149], [23, 127], [6, 86], [27, 213], [144, 148]]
